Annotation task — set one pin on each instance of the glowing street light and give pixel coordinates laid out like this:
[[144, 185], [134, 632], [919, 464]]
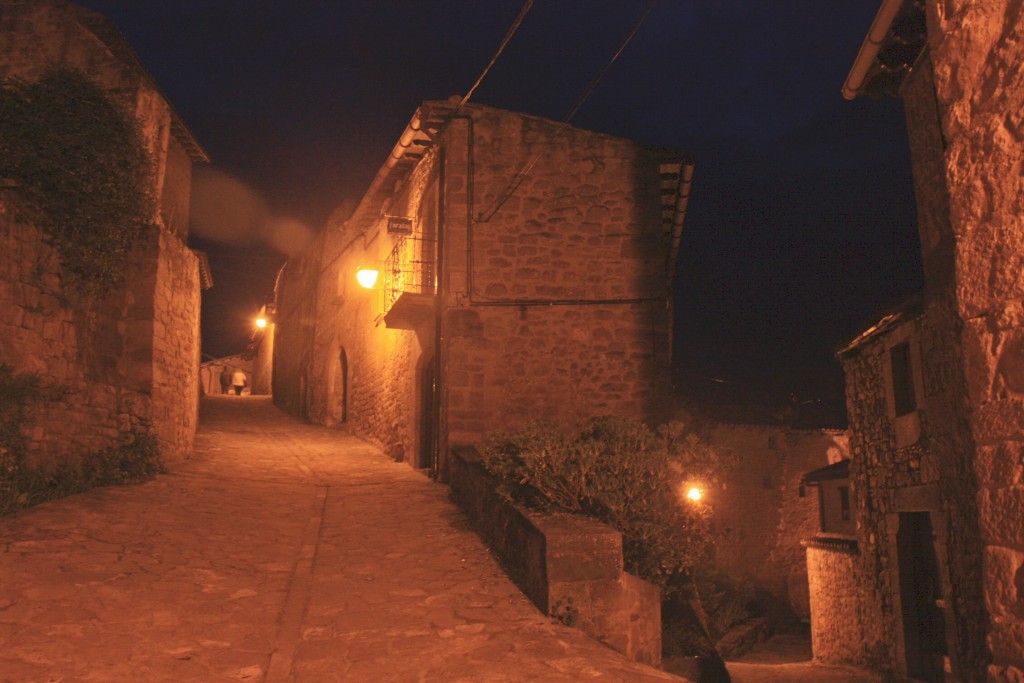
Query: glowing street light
[[367, 277], [261, 322], [694, 494]]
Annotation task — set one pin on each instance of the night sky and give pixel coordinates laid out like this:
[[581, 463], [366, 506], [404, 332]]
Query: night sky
[[800, 227]]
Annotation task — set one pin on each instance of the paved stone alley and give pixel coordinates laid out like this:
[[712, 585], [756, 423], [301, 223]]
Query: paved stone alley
[[280, 552]]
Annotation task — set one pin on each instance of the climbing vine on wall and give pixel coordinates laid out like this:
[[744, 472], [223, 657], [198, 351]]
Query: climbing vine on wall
[[79, 162]]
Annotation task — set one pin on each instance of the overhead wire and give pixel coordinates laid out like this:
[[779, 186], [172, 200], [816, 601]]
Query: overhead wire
[[602, 72], [510, 190], [501, 48]]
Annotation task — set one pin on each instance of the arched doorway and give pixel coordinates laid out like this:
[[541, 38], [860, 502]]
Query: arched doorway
[[341, 389], [426, 399]]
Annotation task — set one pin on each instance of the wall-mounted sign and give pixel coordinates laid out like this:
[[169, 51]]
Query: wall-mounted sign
[[399, 225]]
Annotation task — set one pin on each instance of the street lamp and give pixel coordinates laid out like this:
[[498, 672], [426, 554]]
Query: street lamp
[[261, 322], [367, 277]]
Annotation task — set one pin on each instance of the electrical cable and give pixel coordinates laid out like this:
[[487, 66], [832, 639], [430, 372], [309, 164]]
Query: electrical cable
[[602, 72], [525, 171], [501, 48]]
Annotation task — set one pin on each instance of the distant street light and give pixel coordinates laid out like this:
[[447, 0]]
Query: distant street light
[[261, 322], [694, 494]]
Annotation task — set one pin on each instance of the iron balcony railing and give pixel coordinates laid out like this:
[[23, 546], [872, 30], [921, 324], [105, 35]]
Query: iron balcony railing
[[410, 268]]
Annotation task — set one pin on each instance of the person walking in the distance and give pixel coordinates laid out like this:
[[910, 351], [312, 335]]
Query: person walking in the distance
[[225, 379], [238, 381]]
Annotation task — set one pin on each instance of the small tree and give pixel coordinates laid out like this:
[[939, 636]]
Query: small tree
[[622, 473], [636, 480]]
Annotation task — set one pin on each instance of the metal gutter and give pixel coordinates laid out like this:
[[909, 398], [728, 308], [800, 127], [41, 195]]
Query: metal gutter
[[870, 47]]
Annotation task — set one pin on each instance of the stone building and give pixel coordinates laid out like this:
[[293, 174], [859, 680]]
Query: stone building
[[931, 584], [524, 272], [762, 513], [129, 359]]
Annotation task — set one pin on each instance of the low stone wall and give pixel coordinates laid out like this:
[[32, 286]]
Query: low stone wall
[[843, 629], [569, 566]]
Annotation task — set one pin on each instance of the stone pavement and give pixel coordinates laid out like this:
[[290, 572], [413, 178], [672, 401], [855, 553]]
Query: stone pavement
[[280, 552]]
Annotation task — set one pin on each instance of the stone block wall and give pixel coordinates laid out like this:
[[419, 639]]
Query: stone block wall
[[759, 515], [130, 359], [978, 53], [509, 365], [555, 298], [40, 334], [175, 344], [294, 328], [263, 363], [322, 314], [558, 291], [915, 463], [845, 619]]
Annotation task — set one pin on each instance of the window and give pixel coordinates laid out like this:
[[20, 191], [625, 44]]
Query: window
[[902, 379], [844, 503]]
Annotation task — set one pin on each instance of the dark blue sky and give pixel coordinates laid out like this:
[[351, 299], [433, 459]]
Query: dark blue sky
[[801, 223]]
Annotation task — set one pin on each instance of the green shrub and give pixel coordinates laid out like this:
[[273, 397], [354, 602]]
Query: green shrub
[[624, 474]]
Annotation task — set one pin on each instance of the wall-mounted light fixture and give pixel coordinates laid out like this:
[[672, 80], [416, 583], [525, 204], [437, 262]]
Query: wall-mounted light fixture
[[367, 277], [261, 322]]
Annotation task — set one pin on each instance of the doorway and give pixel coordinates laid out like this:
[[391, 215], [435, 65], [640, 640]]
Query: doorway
[[427, 426], [341, 388], [924, 631]]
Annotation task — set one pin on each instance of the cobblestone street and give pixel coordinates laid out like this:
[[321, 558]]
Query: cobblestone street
[[280, 552]]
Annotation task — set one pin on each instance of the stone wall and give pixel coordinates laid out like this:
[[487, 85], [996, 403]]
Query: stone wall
[[558, 295], [263, 363], [759, 515], [175, 344], [128, 361], [845, 619], [374, 391], [295, 302], [915, 463], [554, 299], [131, 359], [978, 53]]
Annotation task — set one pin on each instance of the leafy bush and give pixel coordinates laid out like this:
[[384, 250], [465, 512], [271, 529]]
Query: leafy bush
[[622, 473], [81, 163]]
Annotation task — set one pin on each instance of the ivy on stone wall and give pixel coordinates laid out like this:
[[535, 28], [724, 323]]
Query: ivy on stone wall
[[79, 162]]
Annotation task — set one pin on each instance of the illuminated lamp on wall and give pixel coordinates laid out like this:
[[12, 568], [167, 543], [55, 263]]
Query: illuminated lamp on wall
[[261, 322], [367, 277]]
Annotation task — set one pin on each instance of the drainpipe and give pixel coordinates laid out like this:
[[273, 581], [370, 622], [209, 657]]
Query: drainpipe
[[870, 47], [439, 299], [679, 215]]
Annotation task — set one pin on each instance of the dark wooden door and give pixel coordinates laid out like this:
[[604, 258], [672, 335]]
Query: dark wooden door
[[920, 590], [427, 422]]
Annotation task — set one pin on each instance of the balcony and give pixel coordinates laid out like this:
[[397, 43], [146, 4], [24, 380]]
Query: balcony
[[410, 283]]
